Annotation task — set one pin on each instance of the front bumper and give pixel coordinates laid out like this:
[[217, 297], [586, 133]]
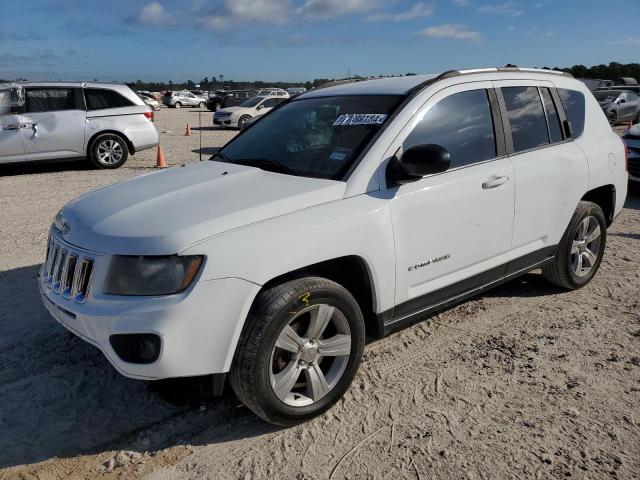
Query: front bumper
[[199, 329]]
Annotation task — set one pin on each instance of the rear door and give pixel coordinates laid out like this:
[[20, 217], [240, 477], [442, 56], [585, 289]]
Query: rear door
[[53, 123], [11, 146], [551, 172]]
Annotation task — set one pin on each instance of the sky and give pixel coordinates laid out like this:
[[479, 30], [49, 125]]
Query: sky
[[299, 40]]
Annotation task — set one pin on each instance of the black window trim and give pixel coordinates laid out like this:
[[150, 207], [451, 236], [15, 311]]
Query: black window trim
[[77, 92], [507, 127]]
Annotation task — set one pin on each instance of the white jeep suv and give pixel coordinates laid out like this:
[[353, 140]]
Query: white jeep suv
[[347, 212]]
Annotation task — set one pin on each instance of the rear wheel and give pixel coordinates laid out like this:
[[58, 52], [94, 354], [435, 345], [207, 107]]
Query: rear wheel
[[613, 118], [217, 107], [581, 249], [108, 151], [299, 351]]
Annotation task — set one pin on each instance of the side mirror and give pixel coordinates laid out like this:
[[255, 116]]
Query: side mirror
[[416, 162]]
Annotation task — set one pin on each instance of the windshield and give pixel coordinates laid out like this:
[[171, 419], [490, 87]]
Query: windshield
[[252, 102], [316, 137], [607, 95]]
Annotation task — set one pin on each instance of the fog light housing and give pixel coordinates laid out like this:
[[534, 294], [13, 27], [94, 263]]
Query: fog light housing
[[136, 347]]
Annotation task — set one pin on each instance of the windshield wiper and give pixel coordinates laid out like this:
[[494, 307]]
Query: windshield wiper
[[266, 164], [222, 156]]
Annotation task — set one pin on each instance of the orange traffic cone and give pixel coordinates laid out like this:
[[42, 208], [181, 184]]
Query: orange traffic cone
[[187, 132], [160, 163]]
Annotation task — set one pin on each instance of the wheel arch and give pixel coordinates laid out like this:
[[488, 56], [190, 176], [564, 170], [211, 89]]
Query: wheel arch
[[132, 149], [353, 273], [605, 197]]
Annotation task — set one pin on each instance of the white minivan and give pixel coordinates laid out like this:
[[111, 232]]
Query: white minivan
[[103, 122], [346, 212]]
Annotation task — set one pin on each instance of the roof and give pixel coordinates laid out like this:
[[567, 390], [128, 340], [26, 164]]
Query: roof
[[405, 85], [71, 84]]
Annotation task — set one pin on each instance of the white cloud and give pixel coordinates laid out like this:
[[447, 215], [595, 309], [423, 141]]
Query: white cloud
[[419, 10], [152, 14], [232, 12], [510, 9], [629, 41], [462, 3], [451, 30], [325, 9]]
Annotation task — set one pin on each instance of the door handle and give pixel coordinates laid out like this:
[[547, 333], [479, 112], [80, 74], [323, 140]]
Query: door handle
[[14, 126], [495, 181]]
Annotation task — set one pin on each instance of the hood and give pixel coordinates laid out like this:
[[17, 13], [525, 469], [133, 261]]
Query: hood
[[165, 212], [234, 109]]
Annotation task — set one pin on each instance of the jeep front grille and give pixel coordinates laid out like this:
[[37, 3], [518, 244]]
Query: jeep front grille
[[66, 271]]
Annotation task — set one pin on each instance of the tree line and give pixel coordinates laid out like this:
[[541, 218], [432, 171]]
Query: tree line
[[605, 72]]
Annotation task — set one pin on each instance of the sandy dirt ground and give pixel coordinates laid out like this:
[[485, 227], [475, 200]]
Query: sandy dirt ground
[[525, 381]]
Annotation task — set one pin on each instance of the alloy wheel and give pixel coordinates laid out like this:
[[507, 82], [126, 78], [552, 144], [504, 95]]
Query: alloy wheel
[[110, 152], [586, 246], [310, 355]]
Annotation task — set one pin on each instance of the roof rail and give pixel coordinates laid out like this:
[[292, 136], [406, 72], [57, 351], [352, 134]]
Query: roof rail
[[513, 69]]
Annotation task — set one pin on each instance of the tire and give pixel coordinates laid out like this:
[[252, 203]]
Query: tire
[[258, 363], [242, 122], [567, 270], [177, 105], [201, 105], [217, 107], [613, 119], [108, 151]]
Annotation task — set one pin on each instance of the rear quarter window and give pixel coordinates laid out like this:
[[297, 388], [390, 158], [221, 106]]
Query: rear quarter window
[[98, 98], [573, 104]]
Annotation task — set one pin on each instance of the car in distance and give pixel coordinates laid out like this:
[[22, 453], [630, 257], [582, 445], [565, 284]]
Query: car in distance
[[631, 139], [350, 211], [296, 90], [150, 100], [103, 122], [183, 99], [238, 117], [619, 106], [228, 98]]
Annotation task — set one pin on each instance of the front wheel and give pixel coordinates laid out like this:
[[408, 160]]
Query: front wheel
[[201, 105], [581, 249], [299, 350], [242, 123], [613, 119], [108, 151], [177, 105]]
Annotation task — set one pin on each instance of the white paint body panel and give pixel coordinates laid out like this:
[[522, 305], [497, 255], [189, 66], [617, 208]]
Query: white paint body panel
[[253, 226]]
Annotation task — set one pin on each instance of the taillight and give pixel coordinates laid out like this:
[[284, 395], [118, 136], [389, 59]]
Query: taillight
[[150, 115]]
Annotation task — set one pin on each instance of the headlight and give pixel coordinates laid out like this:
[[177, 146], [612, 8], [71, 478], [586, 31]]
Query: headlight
[[151, 275]]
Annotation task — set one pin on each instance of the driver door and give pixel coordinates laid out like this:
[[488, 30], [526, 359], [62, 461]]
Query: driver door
[[453, 230], [11, 146]]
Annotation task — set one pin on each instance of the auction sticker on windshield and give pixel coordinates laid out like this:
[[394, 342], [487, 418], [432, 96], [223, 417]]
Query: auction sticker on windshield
[[361, 119]]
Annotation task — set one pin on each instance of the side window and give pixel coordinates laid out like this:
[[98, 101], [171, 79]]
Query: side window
[[573, 103], [553, 119], [99, 98], [271, 102], [526, 117], [461, 123], [49, 99], [632, 97]]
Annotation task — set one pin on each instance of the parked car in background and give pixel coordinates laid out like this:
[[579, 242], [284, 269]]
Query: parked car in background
[[349, 212], [183, 99], [296, 91], [619, 105], [103, 122], [238, 117], [276, 92], [228, 98], [200, 93], [149, 100], [631, 139]]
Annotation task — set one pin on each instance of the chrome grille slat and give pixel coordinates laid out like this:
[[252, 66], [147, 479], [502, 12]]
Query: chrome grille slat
[[67, 271]]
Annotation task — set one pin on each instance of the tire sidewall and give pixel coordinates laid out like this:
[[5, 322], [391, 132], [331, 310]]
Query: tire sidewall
[[94, 151], [201, 105], [270, 403], [242, 123], [177, 105], [596, 212]]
